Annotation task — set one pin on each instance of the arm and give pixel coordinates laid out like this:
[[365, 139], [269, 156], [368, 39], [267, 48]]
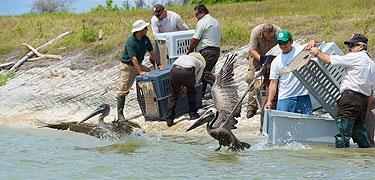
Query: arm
[[255, 54], [181, 25], [154, 26], [193, 45], [154, 59], [320, 55], [271, 93], [137, 66]]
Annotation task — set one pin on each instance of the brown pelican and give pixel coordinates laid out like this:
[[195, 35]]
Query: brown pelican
[[101, 130], [220, 120]]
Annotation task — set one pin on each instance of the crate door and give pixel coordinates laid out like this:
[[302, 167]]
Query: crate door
[[151, 104]]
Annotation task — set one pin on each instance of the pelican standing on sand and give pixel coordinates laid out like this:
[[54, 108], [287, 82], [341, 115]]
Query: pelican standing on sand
[[114, 129], [220, 121]]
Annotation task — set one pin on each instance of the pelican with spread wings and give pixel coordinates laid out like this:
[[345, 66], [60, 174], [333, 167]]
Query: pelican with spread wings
[[220, 121]]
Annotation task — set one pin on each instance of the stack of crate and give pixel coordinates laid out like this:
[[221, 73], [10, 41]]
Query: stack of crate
[[153, 92], [173, 44]]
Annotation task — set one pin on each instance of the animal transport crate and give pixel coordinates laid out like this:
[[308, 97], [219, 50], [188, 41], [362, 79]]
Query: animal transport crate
[[173, 44], [284, 127], [153, 92], [320, 79]]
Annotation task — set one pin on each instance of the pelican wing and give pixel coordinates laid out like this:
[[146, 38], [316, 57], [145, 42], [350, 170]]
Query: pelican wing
[[224, 93]]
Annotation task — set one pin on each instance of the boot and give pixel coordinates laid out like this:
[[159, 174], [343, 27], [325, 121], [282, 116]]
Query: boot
[[120, 108], [170, 116], [360, 137], [345, 128]]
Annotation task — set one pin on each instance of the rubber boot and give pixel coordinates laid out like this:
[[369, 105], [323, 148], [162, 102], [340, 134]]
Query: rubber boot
[[120, 108], [170, 116], [345, 128], [360, 137], [193, 109]]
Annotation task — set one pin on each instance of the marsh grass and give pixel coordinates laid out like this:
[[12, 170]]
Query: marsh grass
[[4, 77], [320, 19]]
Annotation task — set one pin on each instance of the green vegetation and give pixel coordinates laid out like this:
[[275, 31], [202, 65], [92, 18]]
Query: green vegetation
[[4, 77], [321, 19]]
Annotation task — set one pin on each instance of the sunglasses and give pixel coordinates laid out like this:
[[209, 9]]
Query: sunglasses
[[146, 28], [351, 45], [282, 43]]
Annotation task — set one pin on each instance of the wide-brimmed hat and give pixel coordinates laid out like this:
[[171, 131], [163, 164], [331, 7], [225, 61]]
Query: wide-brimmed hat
[[198, 56], [357, 38], [138, 25], [283, 35], [157, 9]]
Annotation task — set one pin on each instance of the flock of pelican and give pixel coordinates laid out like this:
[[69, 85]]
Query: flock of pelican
[[220, 120]]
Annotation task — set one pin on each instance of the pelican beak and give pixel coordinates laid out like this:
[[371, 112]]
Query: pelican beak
[[205, 118], [97, 111]]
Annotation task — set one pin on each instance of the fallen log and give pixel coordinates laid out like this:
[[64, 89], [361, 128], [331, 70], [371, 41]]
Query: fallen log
[[28, 55], [40, 55]]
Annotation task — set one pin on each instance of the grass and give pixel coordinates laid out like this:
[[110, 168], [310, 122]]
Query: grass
[[5, 76], [321, 19]]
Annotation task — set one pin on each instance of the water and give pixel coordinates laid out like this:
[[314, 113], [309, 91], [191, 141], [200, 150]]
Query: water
[[43, 153], [17, 7]]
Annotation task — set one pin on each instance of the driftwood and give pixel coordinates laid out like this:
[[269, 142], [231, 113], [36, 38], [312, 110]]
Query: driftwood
[[41, 56], [28, 55]]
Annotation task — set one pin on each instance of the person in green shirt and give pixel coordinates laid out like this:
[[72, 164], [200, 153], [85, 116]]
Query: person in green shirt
[[135, 49]]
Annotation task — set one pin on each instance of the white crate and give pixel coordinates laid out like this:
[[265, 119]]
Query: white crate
[[177, 42], [284, 127]]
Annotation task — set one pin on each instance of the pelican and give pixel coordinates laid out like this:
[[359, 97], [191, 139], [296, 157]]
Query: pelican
[[101, 130], [220, 121]]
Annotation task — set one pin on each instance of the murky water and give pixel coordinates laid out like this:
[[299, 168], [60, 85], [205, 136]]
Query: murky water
[[44, 153]]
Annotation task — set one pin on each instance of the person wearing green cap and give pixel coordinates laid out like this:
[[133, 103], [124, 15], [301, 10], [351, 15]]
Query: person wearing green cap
[[292, 95]]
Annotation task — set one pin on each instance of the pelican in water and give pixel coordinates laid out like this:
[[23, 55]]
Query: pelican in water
[[114, 129], [220, 120]]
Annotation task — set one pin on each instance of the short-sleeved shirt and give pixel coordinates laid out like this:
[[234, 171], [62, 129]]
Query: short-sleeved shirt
[[208, 32], [134, 47], [258, 43], [359, 72], [187, 61], [289, 85], [172, 22]]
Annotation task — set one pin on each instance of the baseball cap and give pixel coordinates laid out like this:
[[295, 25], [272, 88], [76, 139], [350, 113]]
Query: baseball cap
[[283, 35], [357, 38], [157, 9]]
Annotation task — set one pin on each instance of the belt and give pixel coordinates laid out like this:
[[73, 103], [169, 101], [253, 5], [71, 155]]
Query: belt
[[210, 48], [183, 68], [348, 91]]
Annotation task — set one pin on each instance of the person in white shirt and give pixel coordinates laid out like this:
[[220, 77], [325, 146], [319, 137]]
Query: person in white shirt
[[292, 95], [166, 21], [357, 88], [206, 40], [186, 71]]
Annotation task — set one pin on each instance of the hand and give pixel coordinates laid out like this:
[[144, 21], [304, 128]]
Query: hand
[[143, 73], [161, 66], [314, 51], [268, 105], [310, 44]]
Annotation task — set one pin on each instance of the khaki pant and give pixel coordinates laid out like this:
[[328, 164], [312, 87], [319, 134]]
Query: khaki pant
[[254, 66], [127, 77]]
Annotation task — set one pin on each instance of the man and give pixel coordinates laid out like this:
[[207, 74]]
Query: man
[[166, 21], [186, 71], [262, 39], [131, 64], [292, 95], [357, 88], [206, 40]]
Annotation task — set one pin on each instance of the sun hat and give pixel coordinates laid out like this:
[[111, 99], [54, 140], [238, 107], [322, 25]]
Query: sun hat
[[357, 38], [138, 25], [158, 9], [283, 35]]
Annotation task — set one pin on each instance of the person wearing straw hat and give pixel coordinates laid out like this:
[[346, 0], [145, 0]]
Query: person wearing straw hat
[[357, 89], [131, 63], [292, 95], [186, 72]]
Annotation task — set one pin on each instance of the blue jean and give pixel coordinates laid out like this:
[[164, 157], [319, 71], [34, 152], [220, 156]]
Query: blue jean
[[299, 104]]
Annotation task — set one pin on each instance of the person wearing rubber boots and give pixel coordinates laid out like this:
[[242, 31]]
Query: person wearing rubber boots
[[262, 39], [357, 88], [186, 72], [131, 63]]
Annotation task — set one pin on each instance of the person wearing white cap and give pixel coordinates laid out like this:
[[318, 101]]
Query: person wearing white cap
[[187, 70], [131, 63], [357, 90]]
